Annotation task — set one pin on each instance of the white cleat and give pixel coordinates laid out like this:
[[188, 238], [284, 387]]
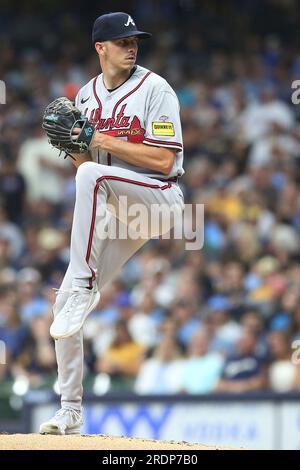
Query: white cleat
[[65, 421], [70, 319]]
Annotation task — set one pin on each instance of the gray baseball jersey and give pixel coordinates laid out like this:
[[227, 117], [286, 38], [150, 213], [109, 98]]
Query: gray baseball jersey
[[144, 109]]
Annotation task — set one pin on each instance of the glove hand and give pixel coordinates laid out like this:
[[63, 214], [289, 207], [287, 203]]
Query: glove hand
[[67, 129]]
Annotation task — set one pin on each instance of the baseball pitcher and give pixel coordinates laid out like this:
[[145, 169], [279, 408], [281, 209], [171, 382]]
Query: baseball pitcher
[[124, 137]]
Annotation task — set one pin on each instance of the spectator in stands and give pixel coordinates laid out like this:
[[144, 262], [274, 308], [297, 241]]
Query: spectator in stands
[[38, 357], [12, 189], [254, 321], [31, 302], [13, 332], [187, 318], [224, 330], [243, 371], [12, 234], [41, 168], [144, 324], [123, 357], [284, 374], [202, 369], [161, 373], [260, 118]]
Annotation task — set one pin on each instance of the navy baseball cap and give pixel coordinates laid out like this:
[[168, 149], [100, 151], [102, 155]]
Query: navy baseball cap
[[115, 26]]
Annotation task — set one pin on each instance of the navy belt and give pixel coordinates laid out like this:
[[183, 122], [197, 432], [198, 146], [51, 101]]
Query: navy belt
[[169, 180]]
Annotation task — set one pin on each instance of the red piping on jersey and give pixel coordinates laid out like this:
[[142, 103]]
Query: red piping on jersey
[[130, 93], [164, 142], [96, 96], [92, 225]]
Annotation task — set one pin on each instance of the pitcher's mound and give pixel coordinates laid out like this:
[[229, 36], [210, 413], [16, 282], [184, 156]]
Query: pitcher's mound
[[91, 442]]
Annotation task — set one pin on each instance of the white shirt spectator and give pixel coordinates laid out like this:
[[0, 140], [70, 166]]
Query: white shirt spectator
[[143, 329], [158, 377], [41, 166], [263, 151], [282, 375], [257, 119]]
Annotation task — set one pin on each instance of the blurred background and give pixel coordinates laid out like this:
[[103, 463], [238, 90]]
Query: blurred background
[[204, 336]]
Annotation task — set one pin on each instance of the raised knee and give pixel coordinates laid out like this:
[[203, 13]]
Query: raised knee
[[86, 172]]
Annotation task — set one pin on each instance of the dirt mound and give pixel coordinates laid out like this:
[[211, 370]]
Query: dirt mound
[[91, 442]]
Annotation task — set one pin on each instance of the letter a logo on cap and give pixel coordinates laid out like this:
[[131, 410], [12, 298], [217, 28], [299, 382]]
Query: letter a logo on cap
[[130, 20]]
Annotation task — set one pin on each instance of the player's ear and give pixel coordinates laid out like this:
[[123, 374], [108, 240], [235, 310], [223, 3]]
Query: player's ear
[[99, 46]]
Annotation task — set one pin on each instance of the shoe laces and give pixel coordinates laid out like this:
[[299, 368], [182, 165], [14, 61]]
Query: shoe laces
[[69, 412], [72, 300]]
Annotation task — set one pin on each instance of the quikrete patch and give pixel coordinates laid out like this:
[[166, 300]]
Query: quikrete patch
[[163, 128]]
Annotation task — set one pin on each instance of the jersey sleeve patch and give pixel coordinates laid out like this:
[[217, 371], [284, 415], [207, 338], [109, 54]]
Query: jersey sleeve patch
[[163, 128]]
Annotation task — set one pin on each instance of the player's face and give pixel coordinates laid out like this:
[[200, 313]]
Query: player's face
[[121, 53]]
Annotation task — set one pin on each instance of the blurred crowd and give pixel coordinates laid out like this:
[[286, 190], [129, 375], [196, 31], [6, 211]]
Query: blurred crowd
[[220, 319]]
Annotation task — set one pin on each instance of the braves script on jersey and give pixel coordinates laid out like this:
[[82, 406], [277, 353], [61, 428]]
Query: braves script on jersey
[[144, 109]]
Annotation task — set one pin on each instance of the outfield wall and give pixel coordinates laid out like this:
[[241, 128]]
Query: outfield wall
[[264, 421]]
